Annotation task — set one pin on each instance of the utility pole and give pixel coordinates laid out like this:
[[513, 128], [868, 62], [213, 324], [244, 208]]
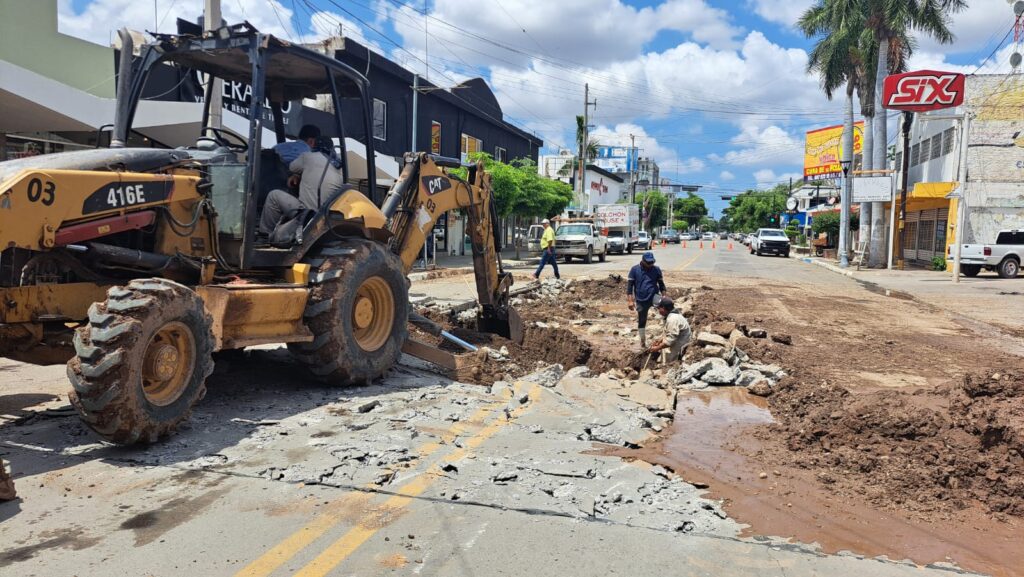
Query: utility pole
[[961, 205], [632, 169], [583, 143], [415, 108], [211, 22]]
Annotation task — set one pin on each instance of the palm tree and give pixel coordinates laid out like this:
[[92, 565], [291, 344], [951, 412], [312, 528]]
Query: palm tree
[[890, 22], [838, 60], [866, 94], [590, 150]]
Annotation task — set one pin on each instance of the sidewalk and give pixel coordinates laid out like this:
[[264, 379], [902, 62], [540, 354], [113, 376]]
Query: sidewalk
[[448, 265], [985, 298]]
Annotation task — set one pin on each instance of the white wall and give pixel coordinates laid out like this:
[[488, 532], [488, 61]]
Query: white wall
[[603, 190]]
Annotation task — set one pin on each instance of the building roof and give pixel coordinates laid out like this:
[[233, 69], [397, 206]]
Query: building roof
[[474, 95], [603, 172]]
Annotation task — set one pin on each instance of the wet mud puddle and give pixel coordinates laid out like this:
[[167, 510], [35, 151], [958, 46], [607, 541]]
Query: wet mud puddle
[[710, 445]]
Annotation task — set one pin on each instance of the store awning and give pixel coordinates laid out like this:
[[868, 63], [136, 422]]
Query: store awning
[[932, 189]]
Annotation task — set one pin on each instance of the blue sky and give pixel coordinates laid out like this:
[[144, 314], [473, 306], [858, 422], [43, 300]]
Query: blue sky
[[715, 91]]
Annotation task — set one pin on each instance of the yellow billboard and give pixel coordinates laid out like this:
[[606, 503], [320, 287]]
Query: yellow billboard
[[823, 151]]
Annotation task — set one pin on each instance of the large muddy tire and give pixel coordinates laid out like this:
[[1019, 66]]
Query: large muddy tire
[[141, 361], [358, 312]]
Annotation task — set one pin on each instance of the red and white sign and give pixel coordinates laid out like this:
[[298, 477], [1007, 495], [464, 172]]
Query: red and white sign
[[923, 90]]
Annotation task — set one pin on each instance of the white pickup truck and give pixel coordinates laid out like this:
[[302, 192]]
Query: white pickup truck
[[1004, 256], [580, 239]]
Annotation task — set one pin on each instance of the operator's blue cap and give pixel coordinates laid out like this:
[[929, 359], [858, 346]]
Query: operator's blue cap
[[648, 256]]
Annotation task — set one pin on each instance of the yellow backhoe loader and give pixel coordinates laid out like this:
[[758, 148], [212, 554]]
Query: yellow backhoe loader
[[135, 265]]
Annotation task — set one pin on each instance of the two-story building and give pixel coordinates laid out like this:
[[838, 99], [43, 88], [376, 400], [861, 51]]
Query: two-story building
[[995, 169]]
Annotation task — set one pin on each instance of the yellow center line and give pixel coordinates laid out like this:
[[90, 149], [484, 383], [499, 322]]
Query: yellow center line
[[348, 543], [689, 262], [278, 555]]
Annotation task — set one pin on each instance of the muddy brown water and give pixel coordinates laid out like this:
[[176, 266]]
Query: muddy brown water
[[708, 445]]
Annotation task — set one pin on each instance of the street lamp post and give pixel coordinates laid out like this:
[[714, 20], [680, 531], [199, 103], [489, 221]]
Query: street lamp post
[[844, 216]]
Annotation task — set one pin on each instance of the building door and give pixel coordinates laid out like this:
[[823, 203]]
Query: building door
[[926, 236], [910, 236]]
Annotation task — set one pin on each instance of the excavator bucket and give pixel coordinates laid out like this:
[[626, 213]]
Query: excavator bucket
[[505, 322]]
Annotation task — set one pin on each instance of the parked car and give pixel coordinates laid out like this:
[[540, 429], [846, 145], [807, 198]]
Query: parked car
[[1004, 256], [708, 236], [643, 240], [670, 236], [770, 241], [581, 239]]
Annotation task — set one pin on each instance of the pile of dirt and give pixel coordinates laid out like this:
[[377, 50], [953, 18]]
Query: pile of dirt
[[946, 448]]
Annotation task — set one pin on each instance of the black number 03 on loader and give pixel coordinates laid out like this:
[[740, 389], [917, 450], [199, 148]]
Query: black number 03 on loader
[[135, 265]]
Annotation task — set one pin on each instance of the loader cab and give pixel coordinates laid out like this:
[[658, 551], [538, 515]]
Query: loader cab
[[237, 161]]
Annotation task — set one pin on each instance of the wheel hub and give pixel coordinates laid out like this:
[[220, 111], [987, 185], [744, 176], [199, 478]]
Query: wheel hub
[[373, 313], [164, 360], [167, 364], [363, 314]]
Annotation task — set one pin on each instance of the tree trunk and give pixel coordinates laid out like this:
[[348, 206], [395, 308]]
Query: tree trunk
[[877, 246], [864, 231], [515, 228], [844, 210]]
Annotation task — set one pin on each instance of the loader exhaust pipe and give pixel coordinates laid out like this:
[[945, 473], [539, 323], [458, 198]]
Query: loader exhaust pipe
[[119, 137]]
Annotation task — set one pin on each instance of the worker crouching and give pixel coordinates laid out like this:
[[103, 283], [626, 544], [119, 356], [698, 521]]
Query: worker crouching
[[676, 335]]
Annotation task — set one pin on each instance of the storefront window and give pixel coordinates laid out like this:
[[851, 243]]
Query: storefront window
[[940, 235]]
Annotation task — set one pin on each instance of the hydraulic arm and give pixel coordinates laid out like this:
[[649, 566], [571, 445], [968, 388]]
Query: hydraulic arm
[[424, 191]]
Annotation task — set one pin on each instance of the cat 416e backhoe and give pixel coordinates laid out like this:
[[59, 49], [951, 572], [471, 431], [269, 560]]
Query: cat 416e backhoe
[[135, 265]]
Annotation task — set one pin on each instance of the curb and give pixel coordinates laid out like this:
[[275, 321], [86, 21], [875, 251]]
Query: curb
[[827, 266], [439, 273]]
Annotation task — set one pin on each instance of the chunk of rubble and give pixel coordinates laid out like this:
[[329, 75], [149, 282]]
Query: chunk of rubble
[[723, 329], [706, 338], [581, 372], [748, 377], [719, 373], [547, 376]]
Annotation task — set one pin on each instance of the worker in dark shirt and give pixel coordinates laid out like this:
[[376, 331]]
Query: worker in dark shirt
[[645, 282]]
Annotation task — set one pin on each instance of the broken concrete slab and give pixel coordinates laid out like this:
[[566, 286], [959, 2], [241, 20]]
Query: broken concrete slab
[[547, 376], [706, 338], [719, 373]]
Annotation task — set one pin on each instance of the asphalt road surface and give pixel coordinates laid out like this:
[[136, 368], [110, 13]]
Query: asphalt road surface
[[417, 475]]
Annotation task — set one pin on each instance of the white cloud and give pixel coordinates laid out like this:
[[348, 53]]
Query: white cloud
[[769, 146], [761, 83], [767, 178], [976, 28], [727, 176], [668, 160], [591, 32], [99, 20], [784, 12]]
